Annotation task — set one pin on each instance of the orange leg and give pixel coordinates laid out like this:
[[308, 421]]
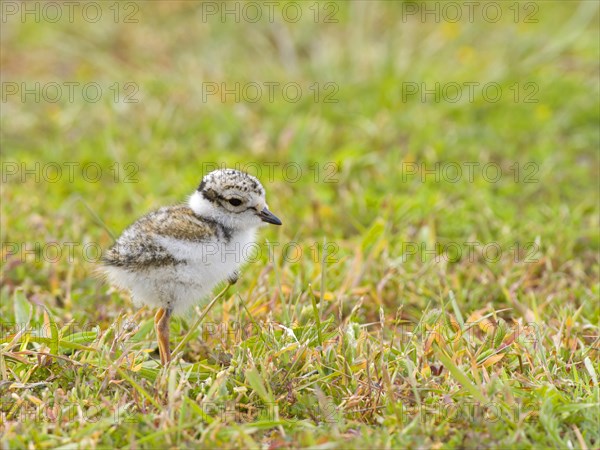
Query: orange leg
[[161, 324]]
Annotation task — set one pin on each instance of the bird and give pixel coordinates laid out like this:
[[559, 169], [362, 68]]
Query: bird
[[173, 257]]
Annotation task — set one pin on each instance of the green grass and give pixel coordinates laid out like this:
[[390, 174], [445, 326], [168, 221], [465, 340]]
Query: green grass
[[381, 344]]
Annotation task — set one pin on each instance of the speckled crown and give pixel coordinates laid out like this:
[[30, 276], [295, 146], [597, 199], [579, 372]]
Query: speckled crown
[[224, 179]]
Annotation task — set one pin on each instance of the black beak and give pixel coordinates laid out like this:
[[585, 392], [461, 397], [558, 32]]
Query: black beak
[[269, 217]]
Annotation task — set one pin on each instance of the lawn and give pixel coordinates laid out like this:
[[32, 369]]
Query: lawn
[[435, 283]]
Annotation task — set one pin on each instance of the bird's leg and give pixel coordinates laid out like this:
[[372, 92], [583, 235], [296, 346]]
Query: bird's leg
[[161, 324]]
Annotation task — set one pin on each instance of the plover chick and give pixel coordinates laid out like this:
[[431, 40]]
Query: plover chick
[[173, 257]]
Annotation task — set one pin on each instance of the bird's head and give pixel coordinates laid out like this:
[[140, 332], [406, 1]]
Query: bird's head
[[232, 198]]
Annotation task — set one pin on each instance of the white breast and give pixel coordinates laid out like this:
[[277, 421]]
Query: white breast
[[184, 285]]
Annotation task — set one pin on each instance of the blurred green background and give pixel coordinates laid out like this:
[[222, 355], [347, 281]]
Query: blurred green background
[[356, 132], [374, 55]]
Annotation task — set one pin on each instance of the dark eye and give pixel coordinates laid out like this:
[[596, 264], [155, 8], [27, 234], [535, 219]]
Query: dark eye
[[235, 201]]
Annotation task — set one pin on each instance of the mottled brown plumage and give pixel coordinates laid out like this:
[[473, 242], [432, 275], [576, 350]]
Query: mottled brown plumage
[[136, 249]]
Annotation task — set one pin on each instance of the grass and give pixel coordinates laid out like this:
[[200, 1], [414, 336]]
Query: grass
[[442, 314]]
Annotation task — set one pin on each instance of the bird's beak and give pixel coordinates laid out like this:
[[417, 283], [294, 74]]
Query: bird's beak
[[269, 217]]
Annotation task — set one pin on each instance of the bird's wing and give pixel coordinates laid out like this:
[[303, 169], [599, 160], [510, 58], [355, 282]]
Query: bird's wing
[[136, 248]]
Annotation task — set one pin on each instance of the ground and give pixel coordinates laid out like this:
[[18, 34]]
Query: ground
[[436, 279]]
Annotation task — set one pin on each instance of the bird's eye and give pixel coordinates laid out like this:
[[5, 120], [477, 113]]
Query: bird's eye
[[235, 201]]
